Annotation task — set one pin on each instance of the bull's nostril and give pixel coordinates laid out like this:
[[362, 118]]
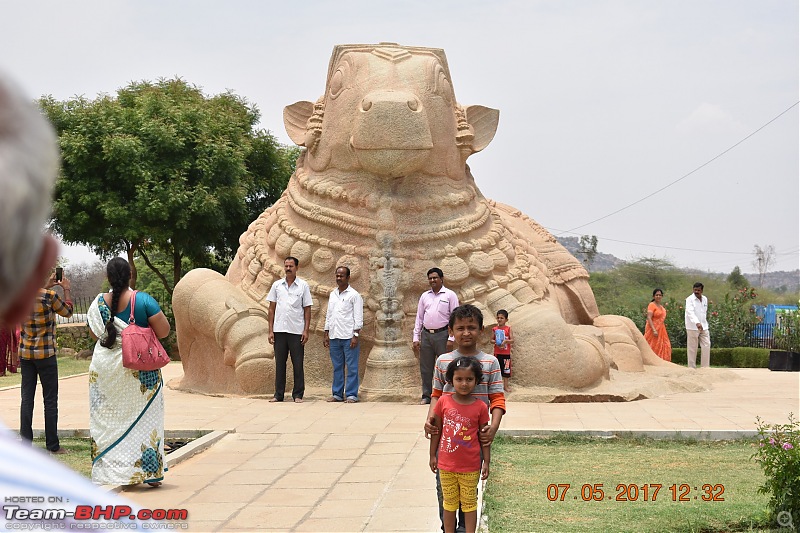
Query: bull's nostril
[[413, 104], [366, 104]]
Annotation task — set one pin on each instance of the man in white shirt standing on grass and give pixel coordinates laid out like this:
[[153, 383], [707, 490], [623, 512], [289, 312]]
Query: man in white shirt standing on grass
[[289, 318], [343, 322], [695, 315]]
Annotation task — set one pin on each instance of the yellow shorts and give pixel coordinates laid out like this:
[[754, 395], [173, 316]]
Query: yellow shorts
[[460, 487]]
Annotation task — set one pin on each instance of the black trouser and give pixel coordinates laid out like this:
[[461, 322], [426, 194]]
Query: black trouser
[[47, 372], [289, 344], [431, 346]]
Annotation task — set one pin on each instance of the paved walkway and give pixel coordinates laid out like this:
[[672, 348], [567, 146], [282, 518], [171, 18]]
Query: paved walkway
[[317, 466]]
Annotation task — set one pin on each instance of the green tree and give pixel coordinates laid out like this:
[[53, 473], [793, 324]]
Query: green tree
[[736, 279], [164, 168], [650, 272]]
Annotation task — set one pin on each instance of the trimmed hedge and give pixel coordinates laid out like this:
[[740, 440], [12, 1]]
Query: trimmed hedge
[[729, 357], [750, 358]]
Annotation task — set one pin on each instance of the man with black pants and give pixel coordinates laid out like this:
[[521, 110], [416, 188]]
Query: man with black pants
[[37, 359], [289, 318], [430, 328]]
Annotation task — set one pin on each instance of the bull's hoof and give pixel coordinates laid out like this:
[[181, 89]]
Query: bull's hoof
[[256, 376], [548, 353]]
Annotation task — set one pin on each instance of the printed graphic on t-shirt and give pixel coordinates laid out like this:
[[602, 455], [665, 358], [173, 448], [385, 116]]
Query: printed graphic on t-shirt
[[454, 431]]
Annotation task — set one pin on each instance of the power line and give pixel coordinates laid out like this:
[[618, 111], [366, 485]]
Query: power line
[[687, 175], [781, 256], [662, 246]]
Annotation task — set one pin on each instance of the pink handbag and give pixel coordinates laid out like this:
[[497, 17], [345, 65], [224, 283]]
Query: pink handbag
[[141, 349]]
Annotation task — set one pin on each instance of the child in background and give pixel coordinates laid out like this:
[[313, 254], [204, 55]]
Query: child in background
[[455, 450], [502, 346]]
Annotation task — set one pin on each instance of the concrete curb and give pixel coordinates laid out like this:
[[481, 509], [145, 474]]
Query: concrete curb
[[195, 447], [198, 445], [184, 452]]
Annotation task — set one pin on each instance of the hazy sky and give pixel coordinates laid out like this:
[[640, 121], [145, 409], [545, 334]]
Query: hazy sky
[[601, 102]]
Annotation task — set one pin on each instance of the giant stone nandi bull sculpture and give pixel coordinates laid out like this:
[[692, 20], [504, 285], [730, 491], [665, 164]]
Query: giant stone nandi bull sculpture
[[382, 186]]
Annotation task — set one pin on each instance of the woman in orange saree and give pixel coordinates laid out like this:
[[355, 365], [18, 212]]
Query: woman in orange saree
[[655, 331]]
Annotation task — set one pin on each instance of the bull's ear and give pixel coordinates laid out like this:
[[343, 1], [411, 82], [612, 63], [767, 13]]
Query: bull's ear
[[484, 124], [295, 120]]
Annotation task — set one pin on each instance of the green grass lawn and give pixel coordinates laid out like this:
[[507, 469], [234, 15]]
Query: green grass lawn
[[522, 470], [67, 366], [79, 457]]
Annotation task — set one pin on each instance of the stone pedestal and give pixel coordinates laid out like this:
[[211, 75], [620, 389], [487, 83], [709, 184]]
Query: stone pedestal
[[392, 373]]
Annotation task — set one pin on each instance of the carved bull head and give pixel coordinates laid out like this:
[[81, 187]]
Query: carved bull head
[[391, 111]]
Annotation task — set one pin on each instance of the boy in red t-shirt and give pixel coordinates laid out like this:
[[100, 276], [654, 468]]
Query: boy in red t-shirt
[[502, 346], [455, 450]]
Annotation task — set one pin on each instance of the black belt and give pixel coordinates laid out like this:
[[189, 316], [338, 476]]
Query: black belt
[[443, 328]]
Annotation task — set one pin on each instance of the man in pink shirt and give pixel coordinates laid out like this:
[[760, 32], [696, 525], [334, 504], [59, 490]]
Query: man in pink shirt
[[430, 328]]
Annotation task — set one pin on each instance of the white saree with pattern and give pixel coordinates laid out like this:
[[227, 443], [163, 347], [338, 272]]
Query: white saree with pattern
[[126, 412]]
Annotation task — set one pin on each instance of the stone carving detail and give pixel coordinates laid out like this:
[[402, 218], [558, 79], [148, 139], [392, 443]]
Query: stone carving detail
[[382, 186]]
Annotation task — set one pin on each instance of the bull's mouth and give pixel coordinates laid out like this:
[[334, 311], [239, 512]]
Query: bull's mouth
[[391, 162]]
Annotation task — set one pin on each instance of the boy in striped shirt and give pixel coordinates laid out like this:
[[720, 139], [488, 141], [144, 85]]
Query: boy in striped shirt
[[466, 328]]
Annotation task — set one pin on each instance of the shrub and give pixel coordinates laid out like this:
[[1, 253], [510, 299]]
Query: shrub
[[787, 336], [638, 316], [675, 324], [720, 357], [731, 320], [750, 358], [75, 337], [778, 454], [729, 357]]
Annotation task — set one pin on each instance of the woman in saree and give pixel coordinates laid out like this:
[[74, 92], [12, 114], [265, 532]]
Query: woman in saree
[[655, 331], [126, 407]]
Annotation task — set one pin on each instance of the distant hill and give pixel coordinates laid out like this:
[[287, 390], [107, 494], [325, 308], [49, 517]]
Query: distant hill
[[780, 281]]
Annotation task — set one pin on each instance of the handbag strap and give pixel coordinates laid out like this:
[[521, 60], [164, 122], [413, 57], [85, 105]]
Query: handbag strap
[[131, 319]]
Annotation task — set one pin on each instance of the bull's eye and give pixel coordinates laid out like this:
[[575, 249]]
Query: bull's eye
[[341, 78], [337, 83], [442, 84], [413, 104]]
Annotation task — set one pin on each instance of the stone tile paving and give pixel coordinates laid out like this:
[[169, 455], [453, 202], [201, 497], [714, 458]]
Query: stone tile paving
[[363, 467]]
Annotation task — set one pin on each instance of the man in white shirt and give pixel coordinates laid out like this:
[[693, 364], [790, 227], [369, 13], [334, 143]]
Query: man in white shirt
[[431, 338], [343, 322], [289, 318], [697, 328]]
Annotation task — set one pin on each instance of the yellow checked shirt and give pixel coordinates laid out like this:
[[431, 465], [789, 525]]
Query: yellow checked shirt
[[37, 339]]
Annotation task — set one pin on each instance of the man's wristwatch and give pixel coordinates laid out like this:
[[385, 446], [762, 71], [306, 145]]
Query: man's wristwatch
[[355, 334]]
